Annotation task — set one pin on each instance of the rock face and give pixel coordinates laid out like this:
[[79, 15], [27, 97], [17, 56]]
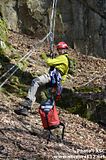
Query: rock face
[[81, 23]]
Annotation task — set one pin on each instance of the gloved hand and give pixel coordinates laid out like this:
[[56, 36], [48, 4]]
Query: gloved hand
[[43, 56]]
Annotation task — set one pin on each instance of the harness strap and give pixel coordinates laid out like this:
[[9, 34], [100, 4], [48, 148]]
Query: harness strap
[[68, 60], [62, 124], [56, 80]]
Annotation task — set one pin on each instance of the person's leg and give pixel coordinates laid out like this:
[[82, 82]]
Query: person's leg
[[31, 97], [36, 83]]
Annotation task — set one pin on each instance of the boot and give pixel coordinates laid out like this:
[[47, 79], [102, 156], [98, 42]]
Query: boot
[[25, 107]]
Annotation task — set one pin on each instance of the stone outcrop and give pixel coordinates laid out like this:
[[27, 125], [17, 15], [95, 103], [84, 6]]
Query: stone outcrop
[[81, 23]]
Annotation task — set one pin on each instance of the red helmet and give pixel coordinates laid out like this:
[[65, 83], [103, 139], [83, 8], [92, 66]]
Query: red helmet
[[62, 45]]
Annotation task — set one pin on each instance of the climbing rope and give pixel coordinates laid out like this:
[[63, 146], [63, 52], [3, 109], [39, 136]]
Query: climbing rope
[[52, 25], [54, 19]]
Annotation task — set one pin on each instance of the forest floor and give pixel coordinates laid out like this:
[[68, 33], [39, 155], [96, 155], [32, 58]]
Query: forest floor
[[23, 138]]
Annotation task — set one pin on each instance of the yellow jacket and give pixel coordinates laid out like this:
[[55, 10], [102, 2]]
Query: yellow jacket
[[61, 63]]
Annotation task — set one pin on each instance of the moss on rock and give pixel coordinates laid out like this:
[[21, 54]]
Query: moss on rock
[[3, 31], [82, 103], [5, 46]]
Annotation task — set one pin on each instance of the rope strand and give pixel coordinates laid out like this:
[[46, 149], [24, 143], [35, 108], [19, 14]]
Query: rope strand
[[14, 66], [52, 25]]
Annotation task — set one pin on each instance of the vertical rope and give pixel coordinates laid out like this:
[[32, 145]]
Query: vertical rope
[[54, 19], [52, 16], [52, 25]]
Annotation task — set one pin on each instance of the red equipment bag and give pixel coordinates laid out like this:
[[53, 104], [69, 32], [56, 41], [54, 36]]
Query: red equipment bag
[[49, 116], [49, 119]]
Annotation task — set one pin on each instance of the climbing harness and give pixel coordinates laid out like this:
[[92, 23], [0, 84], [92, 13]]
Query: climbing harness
[[55, 82]]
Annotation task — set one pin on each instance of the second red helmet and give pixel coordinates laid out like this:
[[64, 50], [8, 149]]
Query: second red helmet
[[62, 45]]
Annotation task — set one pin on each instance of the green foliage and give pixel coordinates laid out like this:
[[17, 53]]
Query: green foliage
[[1, 50], [23, 65], [15, 87], [15, 80], [5, 46], [18, 84], [3, 31], [87, 89], [15, 56], [79, 107], [82, 106]]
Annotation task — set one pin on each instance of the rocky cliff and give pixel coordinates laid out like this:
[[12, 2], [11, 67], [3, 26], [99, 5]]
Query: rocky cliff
[[82, 23]]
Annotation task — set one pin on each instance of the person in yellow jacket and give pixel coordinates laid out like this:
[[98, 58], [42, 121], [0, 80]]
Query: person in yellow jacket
[[59, 63]]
